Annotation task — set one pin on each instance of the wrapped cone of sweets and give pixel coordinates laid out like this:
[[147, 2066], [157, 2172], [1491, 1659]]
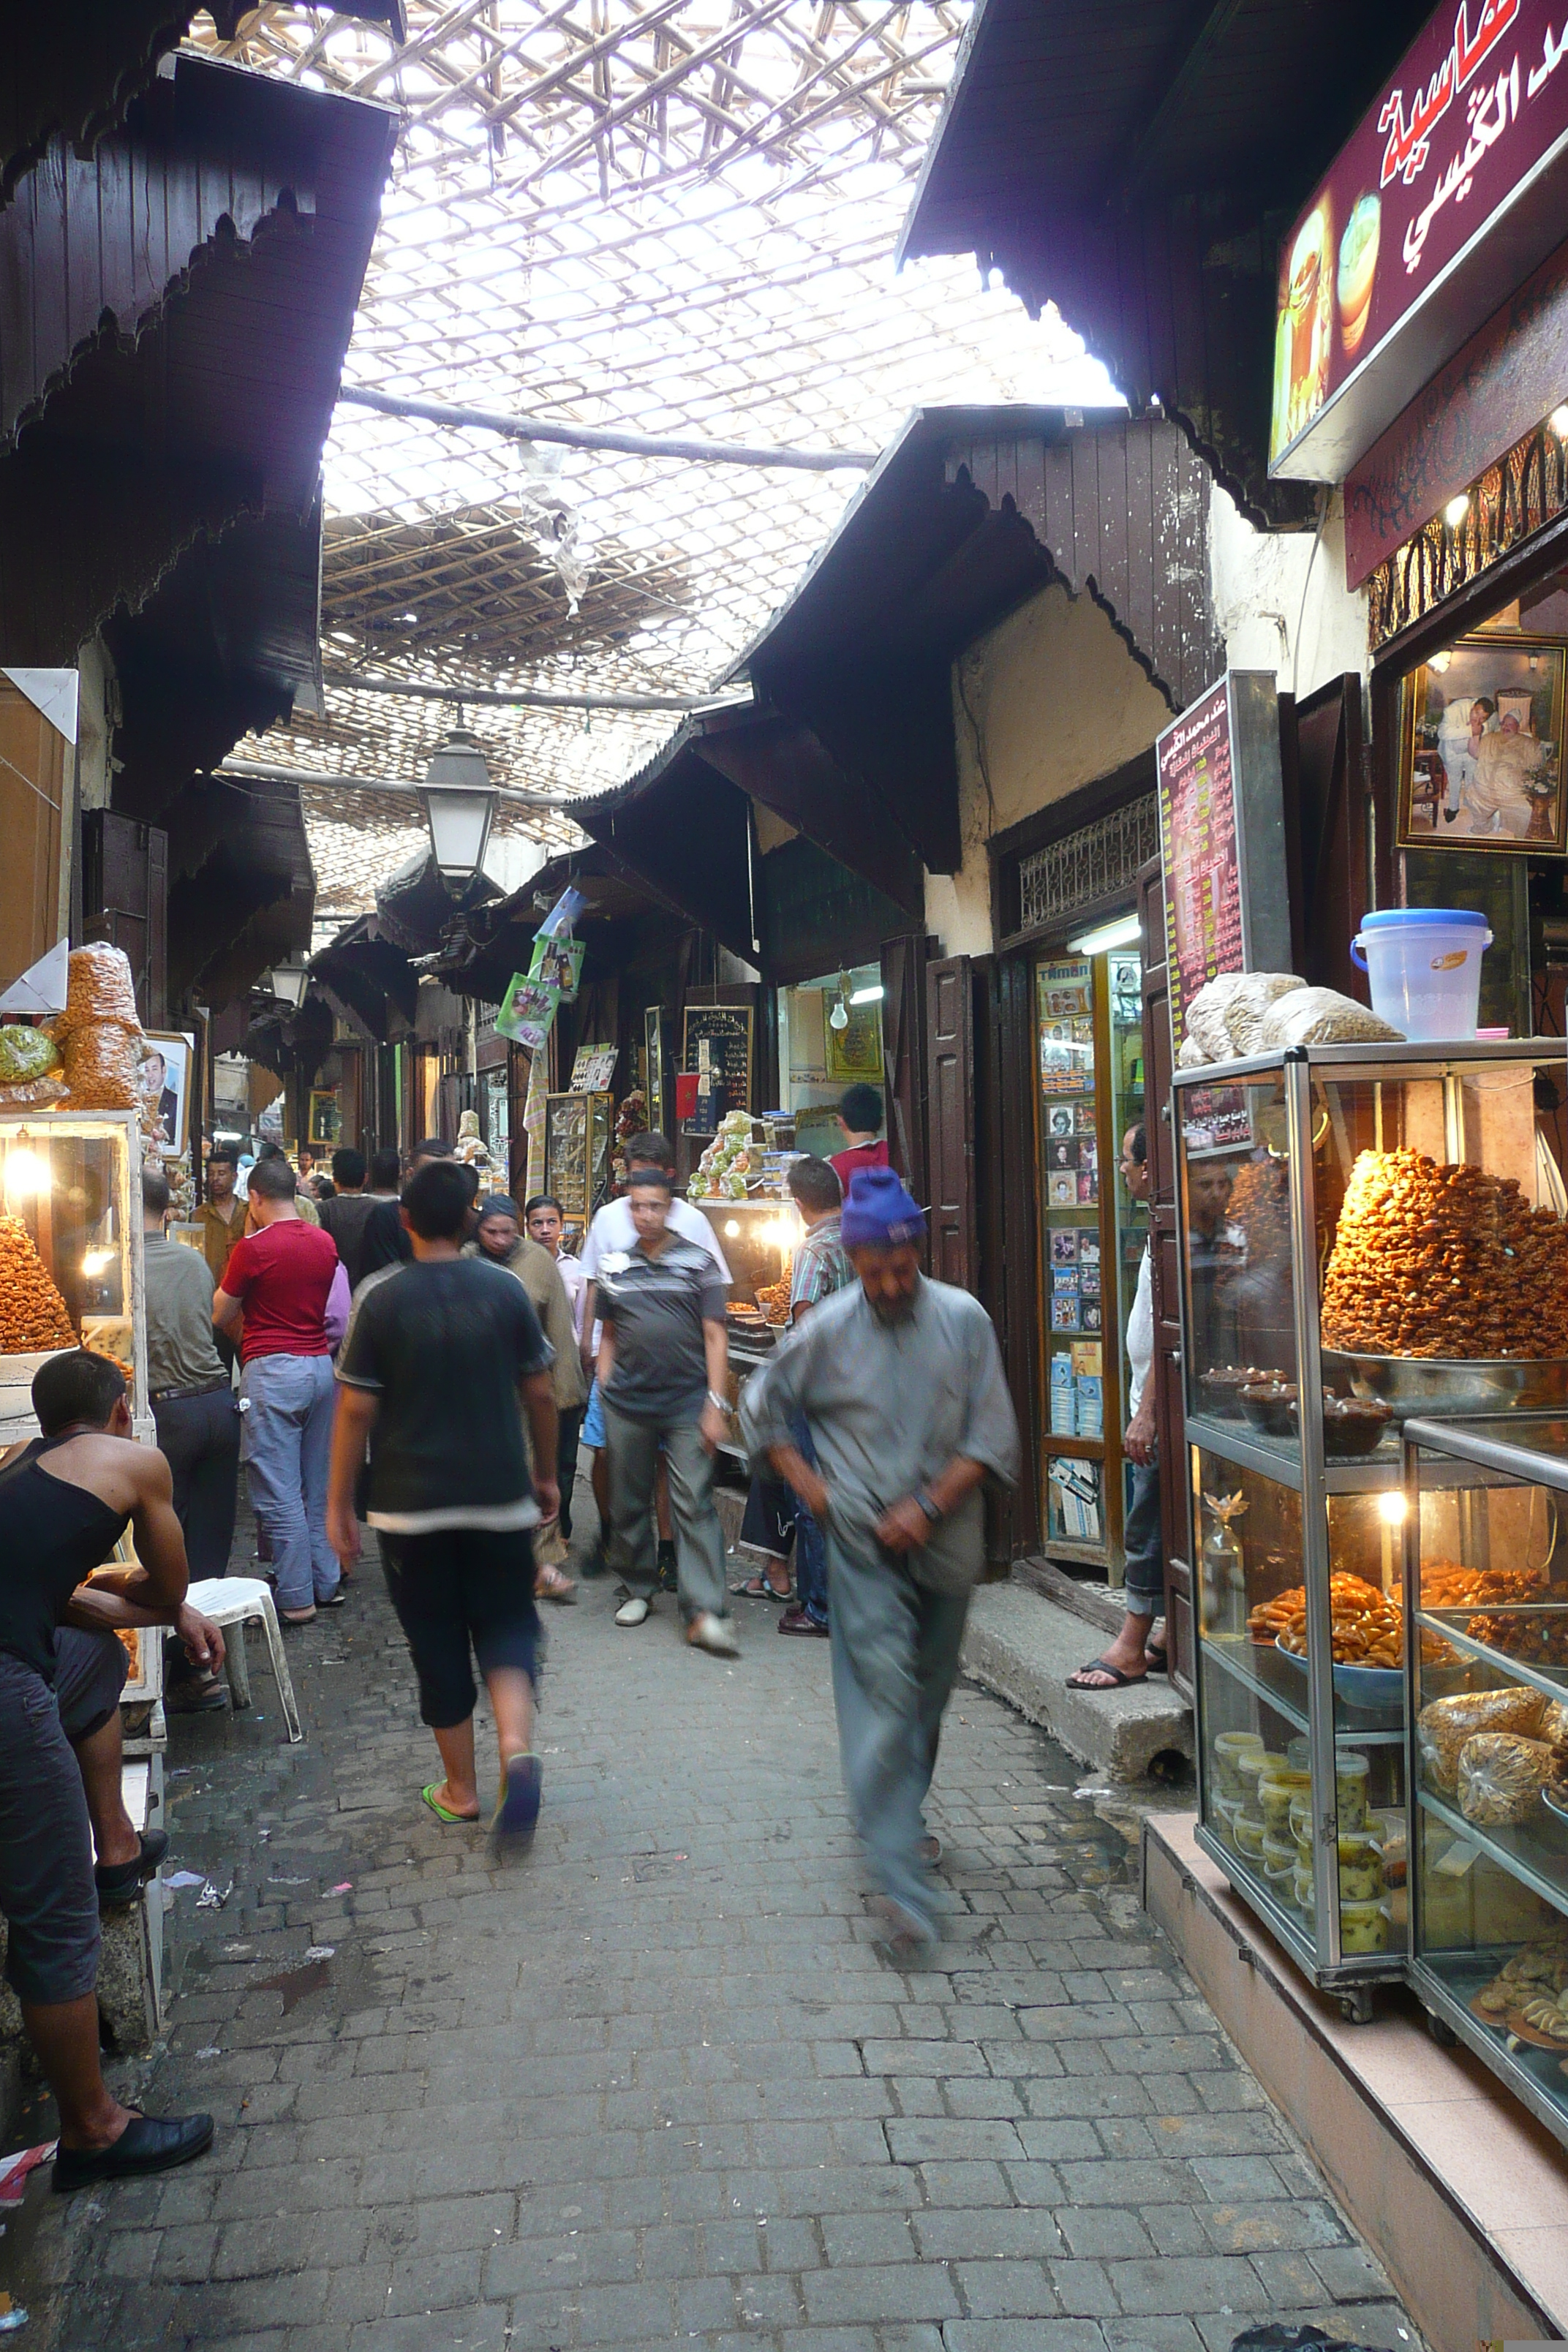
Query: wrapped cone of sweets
[[32, 1313]]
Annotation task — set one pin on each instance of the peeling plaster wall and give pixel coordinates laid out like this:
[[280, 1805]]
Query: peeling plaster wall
[[1281, 605], [1043, 703]]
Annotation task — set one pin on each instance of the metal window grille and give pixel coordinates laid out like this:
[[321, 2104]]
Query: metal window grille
[[1090, 865]]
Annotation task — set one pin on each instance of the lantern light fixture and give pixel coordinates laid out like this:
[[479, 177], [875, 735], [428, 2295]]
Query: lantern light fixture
[[460, 802]]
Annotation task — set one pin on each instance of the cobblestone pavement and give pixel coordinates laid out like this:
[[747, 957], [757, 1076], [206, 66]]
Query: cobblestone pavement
[[655, 2085]]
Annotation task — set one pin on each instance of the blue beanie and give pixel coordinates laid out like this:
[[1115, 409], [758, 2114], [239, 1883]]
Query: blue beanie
[[879, 1212]]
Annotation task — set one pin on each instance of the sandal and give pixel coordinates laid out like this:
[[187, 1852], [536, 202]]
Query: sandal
[[445, 1812], [757, 1588], [1157, 1659], [1118, 1681], [551, 1585]]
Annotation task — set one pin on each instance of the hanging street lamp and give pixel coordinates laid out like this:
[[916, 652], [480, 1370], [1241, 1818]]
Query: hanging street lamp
[[459, 803]]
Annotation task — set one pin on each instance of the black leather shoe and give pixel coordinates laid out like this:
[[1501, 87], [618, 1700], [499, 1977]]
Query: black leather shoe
[[148, 2144], [120, 1881]]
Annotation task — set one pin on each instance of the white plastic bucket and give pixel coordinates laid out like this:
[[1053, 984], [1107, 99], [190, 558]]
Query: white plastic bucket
[[1424, 965]]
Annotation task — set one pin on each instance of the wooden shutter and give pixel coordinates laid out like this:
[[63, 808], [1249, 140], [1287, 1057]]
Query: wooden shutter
[[950, 1066], [33, 779], [125, 901], [903, 1047], [1166, 1371], [1331, 818]]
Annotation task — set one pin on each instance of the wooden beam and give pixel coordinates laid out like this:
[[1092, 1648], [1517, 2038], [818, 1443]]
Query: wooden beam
[[628, 444]]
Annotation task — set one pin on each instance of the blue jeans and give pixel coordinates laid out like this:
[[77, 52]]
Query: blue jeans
[[1144, 1572], [810, 1551], [287, 1441]]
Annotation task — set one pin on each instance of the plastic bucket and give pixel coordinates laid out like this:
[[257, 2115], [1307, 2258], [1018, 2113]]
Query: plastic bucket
[[1424, 965]]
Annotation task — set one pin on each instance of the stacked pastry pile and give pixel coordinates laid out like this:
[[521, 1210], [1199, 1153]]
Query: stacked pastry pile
[[1444, 1262], [32, 1313]]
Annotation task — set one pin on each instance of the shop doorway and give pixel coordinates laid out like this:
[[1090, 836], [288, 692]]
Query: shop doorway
[[1088, 1059], [830, 1038]]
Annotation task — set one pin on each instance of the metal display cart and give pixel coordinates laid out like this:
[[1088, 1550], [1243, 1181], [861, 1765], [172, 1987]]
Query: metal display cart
[[1488, 1637], [70, 1269], [1296, 1472]]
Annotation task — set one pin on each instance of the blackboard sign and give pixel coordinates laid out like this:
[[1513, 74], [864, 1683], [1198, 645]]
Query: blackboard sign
[[728, 1029]]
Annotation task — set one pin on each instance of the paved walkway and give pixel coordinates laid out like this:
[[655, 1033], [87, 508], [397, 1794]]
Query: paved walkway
[[655, 2085]]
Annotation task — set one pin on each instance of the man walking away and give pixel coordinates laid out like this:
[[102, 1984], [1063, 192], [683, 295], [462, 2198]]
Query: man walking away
[[1132, 1657], [432, 1373], [193, 1401], [348, 1211], [497, 1238], [900, 1382], [544, 1226], [860, 1124], [663, 1363], [278, 1281], [65, 1498], [819, 1271]]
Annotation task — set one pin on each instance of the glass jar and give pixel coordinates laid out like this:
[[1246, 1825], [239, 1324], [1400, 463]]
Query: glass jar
[[1350, 1775], [1363, 1928], [1228, 1747], [1361, 1868]]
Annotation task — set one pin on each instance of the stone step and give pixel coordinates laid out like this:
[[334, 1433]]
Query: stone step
[[1024, 1646]]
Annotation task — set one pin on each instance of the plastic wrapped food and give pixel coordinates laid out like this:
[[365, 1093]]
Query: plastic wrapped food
[[1500, 1776], [99, 987], [33, 1092], [1321, 1016], [103, 1065], [1444, 1724], [26, 1053]]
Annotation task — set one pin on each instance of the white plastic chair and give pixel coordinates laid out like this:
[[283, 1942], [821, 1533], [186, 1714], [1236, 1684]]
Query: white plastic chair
[[236, 1601]]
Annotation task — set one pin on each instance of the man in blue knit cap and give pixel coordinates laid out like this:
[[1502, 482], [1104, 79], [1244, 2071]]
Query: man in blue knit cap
[[902, 1385]]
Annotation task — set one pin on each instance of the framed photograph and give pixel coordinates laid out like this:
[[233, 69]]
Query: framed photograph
[[855, 1052], [1481, 755], [167, 1082], [326, 1116]]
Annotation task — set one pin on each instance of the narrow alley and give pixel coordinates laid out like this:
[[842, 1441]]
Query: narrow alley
[[655, 2085]]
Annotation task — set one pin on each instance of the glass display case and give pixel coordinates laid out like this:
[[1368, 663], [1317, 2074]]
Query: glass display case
[[1486, 1504], [1366, 1232], [70, 1252], [579, 1143]]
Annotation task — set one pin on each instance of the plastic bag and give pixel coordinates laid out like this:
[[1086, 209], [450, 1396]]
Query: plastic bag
[[1443, 1726], [1501, 1776], [1321, 1016], [99, 987], [103, 1065], [33, 1094], [24, 1053]]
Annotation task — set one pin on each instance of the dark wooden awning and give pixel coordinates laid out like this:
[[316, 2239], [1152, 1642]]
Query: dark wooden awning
[[970, 511], [241, 888], [1136, 163]]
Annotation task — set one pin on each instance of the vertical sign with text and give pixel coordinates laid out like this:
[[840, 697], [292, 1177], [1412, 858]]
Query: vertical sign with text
[[1198, 846]]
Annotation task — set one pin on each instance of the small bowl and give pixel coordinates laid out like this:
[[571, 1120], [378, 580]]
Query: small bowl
[[1354, 1425], [1270, 1405], [1221, 1385]]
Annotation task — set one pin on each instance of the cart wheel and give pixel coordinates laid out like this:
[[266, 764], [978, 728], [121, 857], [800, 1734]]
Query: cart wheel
[[1356, 2006], [1442, 2032]]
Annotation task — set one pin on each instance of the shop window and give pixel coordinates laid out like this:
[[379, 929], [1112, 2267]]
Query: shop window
[[830, 1038]]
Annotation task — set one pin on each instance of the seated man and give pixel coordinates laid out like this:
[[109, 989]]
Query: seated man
[[65, 1498]]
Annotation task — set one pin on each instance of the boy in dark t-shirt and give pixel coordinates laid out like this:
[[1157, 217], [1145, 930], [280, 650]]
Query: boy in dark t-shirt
[[432, 1372]]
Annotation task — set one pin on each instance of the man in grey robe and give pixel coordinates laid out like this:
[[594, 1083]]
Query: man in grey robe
[[902, 1385]]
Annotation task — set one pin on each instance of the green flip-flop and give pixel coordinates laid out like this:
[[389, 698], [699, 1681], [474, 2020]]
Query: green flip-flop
[[445, 1812]]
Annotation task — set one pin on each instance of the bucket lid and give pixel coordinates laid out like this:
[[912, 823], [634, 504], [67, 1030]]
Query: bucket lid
[[1399, 918]]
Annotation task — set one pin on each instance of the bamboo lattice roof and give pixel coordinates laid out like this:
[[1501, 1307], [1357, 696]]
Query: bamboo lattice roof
[[665, 216]]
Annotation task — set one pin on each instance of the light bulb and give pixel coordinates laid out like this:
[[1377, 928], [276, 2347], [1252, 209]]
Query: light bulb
[[839, 1016], [26, 1174], [97, 1262], [1391, 1507], [1457, 510], [731, 1229], [1558, 420], [1439, 662]]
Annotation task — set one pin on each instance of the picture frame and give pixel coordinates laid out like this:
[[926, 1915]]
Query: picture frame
[[325, 1123], [855, 1054], [167, 1068], [1481, 745]]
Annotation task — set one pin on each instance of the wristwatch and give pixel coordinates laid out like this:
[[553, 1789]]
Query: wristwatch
[[928, 1507]]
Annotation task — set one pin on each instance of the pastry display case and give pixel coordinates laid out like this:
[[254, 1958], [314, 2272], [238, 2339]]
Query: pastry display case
[[1366, 1232], [1487, 1503], [70, 1252], [579, 1143]]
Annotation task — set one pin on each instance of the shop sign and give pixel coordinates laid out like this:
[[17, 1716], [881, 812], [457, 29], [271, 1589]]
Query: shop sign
[[1448, 193], [1222, 838]]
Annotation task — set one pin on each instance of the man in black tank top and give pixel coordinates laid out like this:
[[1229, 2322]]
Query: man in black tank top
[[65, 1500]]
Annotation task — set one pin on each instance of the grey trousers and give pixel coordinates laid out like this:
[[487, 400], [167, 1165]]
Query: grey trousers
[[287, 1443], [895, 1648], [698, 1539]]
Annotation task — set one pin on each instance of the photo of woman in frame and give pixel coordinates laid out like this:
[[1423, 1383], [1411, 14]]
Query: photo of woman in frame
[[1481, 764]]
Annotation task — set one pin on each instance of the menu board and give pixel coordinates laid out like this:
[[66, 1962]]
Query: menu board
[[1197, 841], [728, 1030]]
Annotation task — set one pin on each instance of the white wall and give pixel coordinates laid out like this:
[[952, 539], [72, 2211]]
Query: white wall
[[1280, 598], [1043, 704]]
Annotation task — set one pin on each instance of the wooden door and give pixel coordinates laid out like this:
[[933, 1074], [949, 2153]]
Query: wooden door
[[125, 901], [1166, 1372], [1332, 820], [950, 1091], [903, 961], [33, 782]]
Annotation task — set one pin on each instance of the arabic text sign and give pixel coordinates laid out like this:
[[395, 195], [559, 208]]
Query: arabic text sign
[[1198, 845], [1453, 141]]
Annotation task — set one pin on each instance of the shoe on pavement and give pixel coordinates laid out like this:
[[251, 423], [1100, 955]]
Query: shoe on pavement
[[517, 1815], [634, 1610], [668, 1567], [714, 1635], [122, 1882], [801, 1621], [148, 2144]]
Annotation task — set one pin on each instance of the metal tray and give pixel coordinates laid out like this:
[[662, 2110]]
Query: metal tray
[[1412, 1385]]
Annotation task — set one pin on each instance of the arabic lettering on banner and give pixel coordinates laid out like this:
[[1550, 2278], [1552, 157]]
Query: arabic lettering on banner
[[1479, 100], [1198, 846]]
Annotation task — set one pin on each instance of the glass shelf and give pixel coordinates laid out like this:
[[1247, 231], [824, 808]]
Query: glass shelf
[[1515, 1845], [1248, 1662]]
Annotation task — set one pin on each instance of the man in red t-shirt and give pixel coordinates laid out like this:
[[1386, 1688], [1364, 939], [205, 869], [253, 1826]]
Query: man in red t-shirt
[[274, 1298], [860, 1123]]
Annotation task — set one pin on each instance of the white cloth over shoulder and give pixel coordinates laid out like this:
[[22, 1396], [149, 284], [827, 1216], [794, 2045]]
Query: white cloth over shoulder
[[613, 1230]]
